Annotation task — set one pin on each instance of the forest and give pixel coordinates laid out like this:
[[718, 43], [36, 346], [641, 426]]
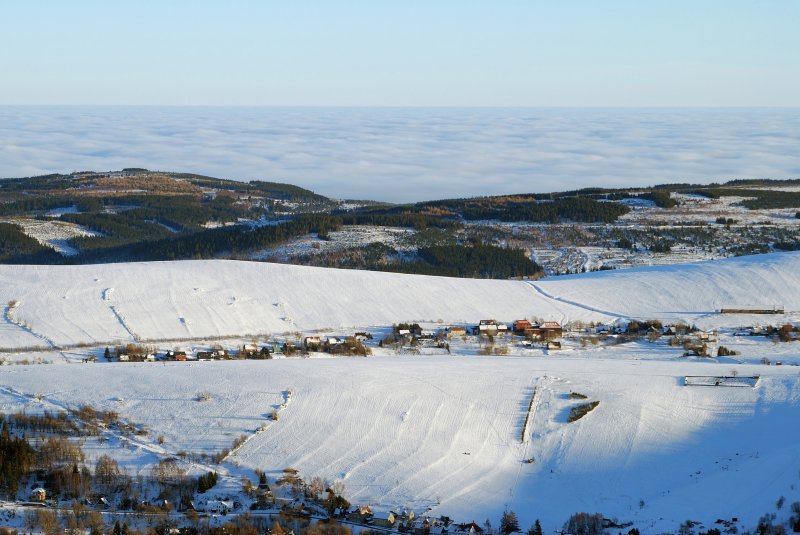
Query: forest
[[473, 261], [16, 245], [528, 208], [139, 215]]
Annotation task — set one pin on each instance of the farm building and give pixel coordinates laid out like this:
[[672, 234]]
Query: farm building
[[547, 330], [521, 326]]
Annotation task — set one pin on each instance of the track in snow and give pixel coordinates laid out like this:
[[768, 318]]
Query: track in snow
[[7, 316], [576, 303], [107, 299]]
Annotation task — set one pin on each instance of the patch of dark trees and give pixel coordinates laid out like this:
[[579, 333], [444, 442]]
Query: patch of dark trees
[[475, 261], [526, 208]]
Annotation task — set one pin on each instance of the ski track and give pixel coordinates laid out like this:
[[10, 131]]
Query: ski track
[[233, 454], [578, 304], [527, 424], [8, 319], [106, 294], [7, 316]]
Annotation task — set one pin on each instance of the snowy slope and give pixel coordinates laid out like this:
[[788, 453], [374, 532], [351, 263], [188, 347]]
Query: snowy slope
[[174, 300], [445, 432], [177, 300], [686, 292]]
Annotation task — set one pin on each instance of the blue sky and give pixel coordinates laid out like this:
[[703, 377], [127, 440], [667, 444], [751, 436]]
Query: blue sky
[[401, 53]]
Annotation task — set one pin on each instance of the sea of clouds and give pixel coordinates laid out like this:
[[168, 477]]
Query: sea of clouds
[[409, 154]]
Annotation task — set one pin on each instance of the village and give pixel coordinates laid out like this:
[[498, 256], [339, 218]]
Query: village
[[170, 499], [487, 337]]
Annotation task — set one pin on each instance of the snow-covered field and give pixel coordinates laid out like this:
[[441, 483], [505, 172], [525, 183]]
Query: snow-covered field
[[443, 434]]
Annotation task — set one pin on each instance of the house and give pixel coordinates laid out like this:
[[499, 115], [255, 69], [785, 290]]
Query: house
[[312, 343], [472, 527], [520, 326], [175, 355], [364, 514], [205, 355], [456, 330], [707, 336], [217, 507], [547, 330], [362, 336], [487, 327], [426, 334], [38, 495]]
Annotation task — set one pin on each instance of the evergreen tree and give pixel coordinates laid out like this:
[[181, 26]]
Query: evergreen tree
[[509, 523]]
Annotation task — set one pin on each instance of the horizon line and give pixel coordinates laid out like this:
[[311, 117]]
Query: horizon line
[[401, 106]]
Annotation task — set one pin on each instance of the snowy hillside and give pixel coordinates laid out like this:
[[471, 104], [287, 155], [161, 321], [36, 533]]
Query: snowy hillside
[[692, 292], [443, 435], [439, 434], [179, 300], [64, 305]]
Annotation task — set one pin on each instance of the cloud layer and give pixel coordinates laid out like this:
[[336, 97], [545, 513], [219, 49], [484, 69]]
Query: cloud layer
[[397, 154]]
